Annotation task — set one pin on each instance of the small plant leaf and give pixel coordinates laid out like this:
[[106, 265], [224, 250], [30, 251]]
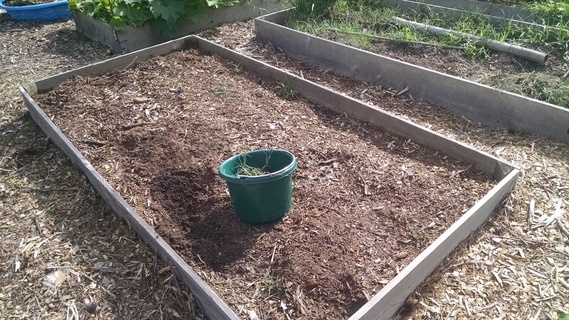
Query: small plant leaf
[[169, 11]]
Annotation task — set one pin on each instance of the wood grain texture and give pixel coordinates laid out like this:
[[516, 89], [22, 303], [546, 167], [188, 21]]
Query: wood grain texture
[[135, 38], [96, 30]]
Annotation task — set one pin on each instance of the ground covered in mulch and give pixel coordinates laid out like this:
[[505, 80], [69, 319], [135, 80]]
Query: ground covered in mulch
[[365, 203], [513, 267], [63, 253], [510, 269]]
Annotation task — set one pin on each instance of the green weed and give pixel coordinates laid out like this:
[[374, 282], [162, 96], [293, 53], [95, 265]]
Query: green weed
[[352, 22], [311, 8], [287, 91], [563, 316], [237, 67]]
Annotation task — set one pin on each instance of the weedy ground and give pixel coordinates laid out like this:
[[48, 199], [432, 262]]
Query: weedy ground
[[362, 23]]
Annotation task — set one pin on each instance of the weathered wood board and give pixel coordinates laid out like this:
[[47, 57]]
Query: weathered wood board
[[477, 102], [134, 38], [396, 291], [388, 300]]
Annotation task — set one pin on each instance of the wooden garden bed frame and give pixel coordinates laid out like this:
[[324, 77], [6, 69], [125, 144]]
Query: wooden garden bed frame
[[135, 38], [477, 102], [386, 302]]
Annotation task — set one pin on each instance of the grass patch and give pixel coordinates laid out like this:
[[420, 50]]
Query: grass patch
[[536, 85], [369, 17], [357, 22]]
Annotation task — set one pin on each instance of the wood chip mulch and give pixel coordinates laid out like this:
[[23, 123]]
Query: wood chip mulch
[[63, 253], [365, 202], [514, 267]]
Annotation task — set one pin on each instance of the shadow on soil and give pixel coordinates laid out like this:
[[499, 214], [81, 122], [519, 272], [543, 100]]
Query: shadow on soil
[[67, 42], [209, 226]]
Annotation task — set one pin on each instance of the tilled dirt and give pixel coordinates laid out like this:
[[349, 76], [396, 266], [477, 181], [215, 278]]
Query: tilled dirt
[[365, 203]]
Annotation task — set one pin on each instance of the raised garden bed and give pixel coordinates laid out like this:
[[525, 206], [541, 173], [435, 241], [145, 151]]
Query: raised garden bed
[[371, 211], [134, 38], [444, 86]]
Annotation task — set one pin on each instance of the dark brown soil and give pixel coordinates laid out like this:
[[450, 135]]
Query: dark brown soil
[[365, 203]]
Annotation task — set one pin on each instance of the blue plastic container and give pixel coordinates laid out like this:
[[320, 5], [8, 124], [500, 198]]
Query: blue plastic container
[[44, 11]]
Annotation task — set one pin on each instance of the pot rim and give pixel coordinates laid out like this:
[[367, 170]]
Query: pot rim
[[235, 177]]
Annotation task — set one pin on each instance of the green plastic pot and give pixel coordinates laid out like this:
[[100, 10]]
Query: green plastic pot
[[260, 198]]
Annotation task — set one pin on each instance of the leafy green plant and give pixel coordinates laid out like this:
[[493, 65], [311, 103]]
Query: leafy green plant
[[163, 15]]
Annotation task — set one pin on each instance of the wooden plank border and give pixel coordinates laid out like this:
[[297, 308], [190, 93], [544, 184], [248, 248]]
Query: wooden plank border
[[134, 38], [477, 102], [387, 301], [396, 291], [358, 110], [212, 305]]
